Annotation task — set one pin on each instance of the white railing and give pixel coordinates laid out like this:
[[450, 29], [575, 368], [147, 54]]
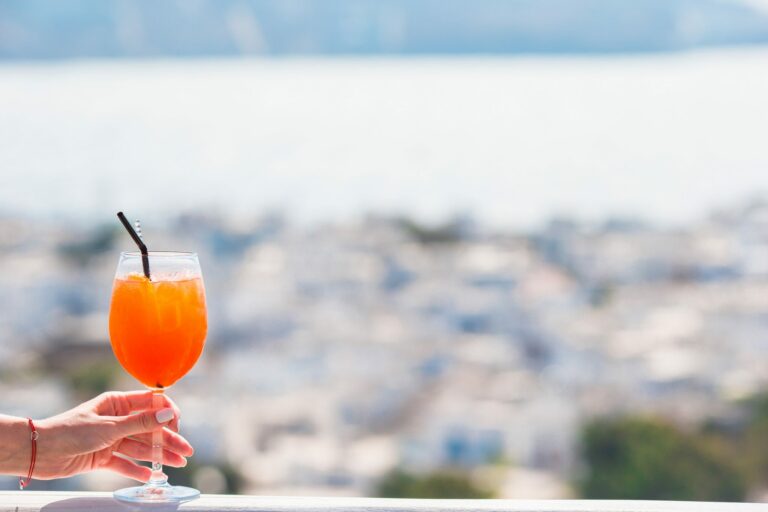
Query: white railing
[[23, 501]]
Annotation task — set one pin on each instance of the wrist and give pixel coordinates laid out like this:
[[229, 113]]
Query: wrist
[[15, 447], [47, 446]]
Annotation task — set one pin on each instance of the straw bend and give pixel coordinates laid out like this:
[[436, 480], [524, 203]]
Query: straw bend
[[138, 241]]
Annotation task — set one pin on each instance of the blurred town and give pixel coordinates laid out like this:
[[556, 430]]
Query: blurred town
[[339, 354]]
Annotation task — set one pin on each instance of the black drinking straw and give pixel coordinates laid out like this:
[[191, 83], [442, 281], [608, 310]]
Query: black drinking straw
[[139, 242]]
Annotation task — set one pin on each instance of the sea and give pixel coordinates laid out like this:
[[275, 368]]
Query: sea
[[512, 141]]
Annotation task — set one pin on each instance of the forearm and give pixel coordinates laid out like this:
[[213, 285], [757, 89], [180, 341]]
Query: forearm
[[15, 446]]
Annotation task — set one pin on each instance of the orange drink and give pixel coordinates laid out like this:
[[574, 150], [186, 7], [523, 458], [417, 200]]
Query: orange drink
[[158, 327]]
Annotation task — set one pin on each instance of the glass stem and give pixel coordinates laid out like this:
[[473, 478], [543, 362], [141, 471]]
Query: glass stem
[[158, 477]]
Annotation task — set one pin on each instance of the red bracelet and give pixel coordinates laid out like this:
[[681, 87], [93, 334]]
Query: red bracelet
[[33, 435]]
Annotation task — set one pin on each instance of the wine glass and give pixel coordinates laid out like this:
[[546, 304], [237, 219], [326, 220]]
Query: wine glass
[[157, 328]]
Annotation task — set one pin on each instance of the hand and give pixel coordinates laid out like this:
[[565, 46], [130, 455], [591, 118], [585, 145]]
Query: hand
[[89, 436]]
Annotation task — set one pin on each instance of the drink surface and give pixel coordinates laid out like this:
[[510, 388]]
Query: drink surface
[[157, 328]]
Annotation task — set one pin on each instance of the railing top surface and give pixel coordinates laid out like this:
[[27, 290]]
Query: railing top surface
[[23, 501]]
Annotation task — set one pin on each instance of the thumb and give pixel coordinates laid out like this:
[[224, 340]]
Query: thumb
[[144, 422]]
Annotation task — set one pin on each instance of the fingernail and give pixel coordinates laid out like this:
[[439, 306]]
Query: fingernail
[[164, 415]]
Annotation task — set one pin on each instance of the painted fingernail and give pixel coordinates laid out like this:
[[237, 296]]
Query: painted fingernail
[[164, 415]]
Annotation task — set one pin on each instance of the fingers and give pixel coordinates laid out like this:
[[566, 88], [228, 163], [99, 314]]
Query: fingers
[[171, 441], [146, 400], [128, 468], [116, 403], [143, 422], [140, 451]]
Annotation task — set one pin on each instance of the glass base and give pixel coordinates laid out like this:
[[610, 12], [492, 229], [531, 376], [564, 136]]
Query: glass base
[[157, 494]]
